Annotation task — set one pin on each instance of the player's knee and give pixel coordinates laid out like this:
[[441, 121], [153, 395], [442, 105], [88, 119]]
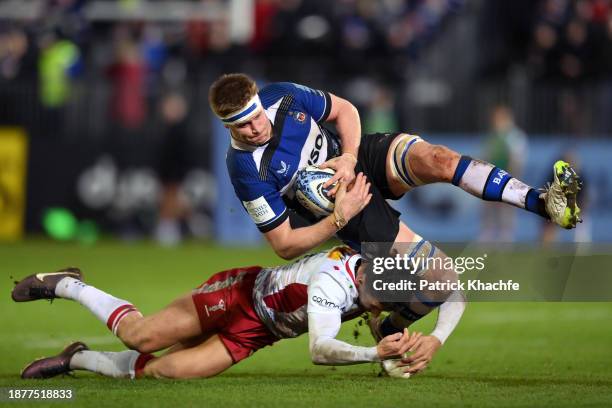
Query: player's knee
[[139, 339], [285, 253], [145, 344], [441, 162]]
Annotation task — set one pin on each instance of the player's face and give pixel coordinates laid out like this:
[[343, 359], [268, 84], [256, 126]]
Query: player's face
[[255, 131], [367, 301]]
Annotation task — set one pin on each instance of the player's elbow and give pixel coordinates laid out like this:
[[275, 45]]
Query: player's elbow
[[317, 351], [284, 253], [282, 246], [287, 252], [316, 356], [318, 360]]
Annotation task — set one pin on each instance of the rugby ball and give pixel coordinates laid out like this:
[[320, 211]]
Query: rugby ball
[[394, 369], [310, 193]]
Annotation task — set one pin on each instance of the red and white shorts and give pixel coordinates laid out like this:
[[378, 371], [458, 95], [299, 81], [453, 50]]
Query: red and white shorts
[[225, 306]]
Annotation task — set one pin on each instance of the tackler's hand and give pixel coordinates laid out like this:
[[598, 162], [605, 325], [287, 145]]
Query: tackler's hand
[[422, 353], [350, 203], [395, 345]]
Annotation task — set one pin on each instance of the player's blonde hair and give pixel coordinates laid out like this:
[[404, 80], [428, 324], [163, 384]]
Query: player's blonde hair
[[230, 92]]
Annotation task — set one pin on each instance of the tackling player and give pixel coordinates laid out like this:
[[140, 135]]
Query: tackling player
[[278, 130], [232, 315]]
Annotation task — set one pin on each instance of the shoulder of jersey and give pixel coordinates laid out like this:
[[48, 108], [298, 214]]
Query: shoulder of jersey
[[341, 252], [271, 93], [341, 260]]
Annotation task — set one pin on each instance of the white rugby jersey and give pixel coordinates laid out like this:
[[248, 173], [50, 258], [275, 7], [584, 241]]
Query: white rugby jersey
[[319, 283]]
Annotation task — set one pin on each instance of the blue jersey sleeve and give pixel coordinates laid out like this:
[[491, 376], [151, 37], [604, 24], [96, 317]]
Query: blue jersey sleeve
[[262, 201], [316, 103]]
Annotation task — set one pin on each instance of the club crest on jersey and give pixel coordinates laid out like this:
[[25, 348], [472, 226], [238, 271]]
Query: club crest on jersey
[[300, 117]]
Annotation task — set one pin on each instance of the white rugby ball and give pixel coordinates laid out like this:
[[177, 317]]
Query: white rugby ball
[[393, 369], [310, 193]]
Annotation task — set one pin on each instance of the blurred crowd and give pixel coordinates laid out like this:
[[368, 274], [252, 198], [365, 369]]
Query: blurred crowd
[[573, 40], [120, 70], [562, 41], [135, 90], [356, 32], [139, 60]]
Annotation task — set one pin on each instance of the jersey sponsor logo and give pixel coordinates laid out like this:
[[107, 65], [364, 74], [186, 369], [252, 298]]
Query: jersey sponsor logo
[[315, 153], [284, 168], [324, 302], [222, 284], [259, 210]]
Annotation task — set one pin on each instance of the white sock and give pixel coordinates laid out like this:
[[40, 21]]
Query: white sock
[[491, 183], [109, 309], [111, 364], [478, 180], [69, 288], [515, 193]]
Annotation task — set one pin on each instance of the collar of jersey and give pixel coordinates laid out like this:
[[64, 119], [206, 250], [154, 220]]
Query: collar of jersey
[[351, 266]]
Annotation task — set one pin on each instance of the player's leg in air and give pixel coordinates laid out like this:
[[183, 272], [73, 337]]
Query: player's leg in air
[[412, 162], [195, 348]]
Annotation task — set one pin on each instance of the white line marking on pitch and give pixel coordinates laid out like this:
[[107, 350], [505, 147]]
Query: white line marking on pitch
[[63, 341]]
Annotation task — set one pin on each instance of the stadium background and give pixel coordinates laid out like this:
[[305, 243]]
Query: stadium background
[[87, 81], [105, 130]]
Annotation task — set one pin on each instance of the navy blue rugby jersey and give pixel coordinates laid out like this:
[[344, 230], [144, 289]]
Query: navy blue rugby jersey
[[264, 176]]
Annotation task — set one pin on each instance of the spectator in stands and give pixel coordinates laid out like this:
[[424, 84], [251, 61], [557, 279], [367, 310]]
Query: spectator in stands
[[173, 166], [128, 73], [506, 145]]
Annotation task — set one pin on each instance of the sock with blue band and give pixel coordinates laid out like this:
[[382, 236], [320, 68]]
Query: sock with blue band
[[491, 183]]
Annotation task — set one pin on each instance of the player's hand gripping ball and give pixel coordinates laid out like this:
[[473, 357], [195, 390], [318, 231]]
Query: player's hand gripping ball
[[310, 193]]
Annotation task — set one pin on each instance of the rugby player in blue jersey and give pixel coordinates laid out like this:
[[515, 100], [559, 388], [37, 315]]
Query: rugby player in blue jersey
[[279, 130]]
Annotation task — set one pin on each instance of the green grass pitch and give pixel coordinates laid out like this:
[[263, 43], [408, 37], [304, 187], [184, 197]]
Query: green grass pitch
[[510, 354]]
